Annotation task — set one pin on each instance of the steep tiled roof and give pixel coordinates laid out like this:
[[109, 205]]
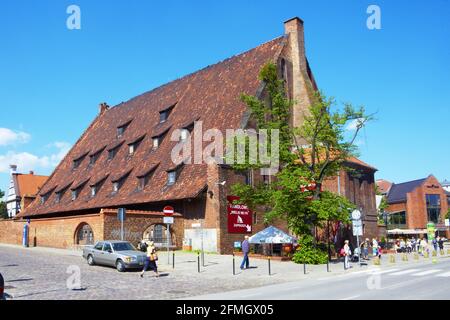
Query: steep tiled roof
[[211, 95], [399, 191], [384, 186], [28, 184], [354, 160]]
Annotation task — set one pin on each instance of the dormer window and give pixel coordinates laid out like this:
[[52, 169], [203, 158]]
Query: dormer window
[[93, 191], [77, 162], [112, 152], [44, 198], [164, 115], [157, 139], [117, 183], [184, 134], [96, 185], [61, 191], [76, 190], [132, 147], [171, 177], [156, 143], [75, 194], [122, 128], [94, 156], [145, 177], [59, 196], [173, 174]]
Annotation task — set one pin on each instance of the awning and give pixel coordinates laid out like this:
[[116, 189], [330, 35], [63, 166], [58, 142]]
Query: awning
[[407, 231], [272, 235]]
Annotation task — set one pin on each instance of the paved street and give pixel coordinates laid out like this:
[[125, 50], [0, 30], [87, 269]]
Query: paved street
[[406, 282], [39, 273]]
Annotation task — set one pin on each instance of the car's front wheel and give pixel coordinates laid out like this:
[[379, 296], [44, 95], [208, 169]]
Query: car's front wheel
[[120, 266], [90, 260]]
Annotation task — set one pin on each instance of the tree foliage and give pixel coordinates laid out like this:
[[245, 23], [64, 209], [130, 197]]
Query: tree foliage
[[3, 209], [309, 155]]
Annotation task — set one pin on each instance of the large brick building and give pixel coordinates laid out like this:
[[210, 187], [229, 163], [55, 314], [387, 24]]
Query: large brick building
[[124, 158], [413, 204]]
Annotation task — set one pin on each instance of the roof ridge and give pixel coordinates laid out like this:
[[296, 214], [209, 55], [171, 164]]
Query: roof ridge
[[199, 70]]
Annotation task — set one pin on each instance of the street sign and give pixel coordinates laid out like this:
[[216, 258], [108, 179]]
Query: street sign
[[239, 217], [122, 214], [357, 227], [447, 222], [169, 211], [168, 220]]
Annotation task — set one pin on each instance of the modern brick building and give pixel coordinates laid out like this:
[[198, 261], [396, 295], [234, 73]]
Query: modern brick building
[[413, 204], [124, 159]]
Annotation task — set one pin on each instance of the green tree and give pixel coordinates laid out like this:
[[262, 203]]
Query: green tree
[[3, 210], [309, 155], [447, 216]]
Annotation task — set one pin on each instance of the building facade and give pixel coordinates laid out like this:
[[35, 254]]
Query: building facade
[[125, 158], [414, 204], [23, 189]]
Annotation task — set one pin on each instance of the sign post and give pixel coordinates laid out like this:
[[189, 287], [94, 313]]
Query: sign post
[[121, 216], [168, 220], [357, 230]]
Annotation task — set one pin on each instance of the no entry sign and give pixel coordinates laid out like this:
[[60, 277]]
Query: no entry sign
[[168, 211], [239, 217]]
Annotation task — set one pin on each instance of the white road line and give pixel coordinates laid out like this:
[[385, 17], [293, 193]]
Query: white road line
[[444, 275], [404, 272], [425, 273], [384, 271]]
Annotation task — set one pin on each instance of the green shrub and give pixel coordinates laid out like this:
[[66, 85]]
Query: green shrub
[[308, 253]]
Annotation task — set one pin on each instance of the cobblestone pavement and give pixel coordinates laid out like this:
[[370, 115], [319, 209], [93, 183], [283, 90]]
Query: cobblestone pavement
[[42, 274]]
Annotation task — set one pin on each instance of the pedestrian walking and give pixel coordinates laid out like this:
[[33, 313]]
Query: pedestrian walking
[[245, 250], [435, 244], [347, 254], [374, 247], [441, 244], [409, 246], [365, 249], [414, 244], [152, 258]]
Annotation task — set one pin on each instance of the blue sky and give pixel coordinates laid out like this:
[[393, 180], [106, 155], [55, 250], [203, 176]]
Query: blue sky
[[52, 79]]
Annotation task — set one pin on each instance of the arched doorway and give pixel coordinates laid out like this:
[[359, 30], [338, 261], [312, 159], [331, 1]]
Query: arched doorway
[[84, 235], [158, 234]]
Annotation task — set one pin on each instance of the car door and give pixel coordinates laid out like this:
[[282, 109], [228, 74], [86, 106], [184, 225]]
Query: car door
[[108, 255], [97, 252]]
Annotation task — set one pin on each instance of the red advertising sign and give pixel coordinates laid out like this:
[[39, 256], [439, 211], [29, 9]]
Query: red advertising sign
[[239, 217]]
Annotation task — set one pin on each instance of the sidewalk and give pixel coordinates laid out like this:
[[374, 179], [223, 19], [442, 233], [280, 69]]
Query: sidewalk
[[221, 266]]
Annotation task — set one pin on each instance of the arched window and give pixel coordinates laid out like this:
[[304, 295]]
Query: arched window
[[84, 235], [158, 234]]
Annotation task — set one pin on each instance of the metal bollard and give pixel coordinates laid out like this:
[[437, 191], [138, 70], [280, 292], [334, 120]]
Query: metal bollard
[[198, 262], [270, 272], [234, 265], [328, 265], [304, 268], [173, 260]]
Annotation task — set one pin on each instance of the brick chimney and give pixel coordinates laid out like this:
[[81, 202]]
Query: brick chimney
[[103, 107], [302, 85]]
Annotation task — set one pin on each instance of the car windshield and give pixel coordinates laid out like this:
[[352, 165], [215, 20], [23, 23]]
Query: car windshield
[[123, 246]]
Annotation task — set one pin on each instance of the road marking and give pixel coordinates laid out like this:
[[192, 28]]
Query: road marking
[[350, 298], [251, 295], [384, 271], [404, 272], [424, 273], [447, 274]]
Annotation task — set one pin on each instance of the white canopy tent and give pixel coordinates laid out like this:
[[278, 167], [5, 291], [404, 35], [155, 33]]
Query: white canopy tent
[[272, 235]]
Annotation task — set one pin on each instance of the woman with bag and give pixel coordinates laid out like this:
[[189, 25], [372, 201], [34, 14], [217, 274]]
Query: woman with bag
[[152, 257]]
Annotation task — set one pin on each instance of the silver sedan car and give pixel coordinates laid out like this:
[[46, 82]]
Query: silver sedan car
[[119, 254]]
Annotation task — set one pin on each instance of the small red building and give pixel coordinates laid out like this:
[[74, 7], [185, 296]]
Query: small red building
[[413, 204]]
